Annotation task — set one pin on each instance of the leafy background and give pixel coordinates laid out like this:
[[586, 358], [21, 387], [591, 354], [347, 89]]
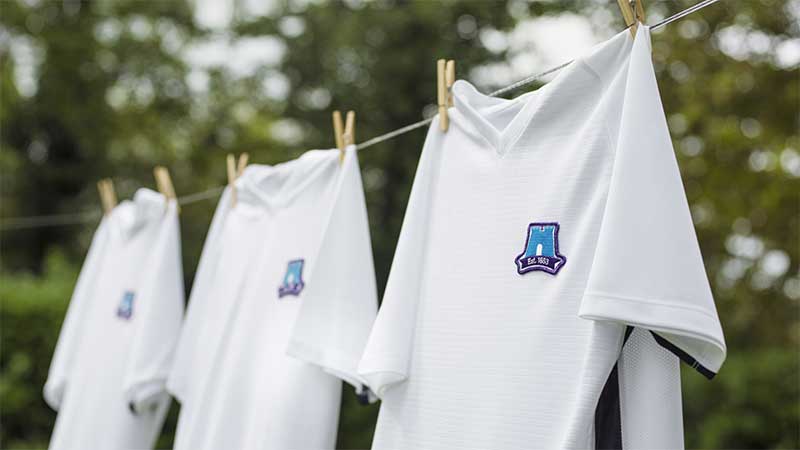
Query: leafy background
[[95, 89]]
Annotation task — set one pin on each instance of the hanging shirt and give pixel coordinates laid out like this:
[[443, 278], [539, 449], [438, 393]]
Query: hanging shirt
[[538, 230], [108, 374], [282, 312]]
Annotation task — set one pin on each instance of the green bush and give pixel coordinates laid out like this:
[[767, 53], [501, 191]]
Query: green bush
[[752, 403], [31, 311]]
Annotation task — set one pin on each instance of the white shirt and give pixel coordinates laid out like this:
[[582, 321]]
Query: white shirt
[[283, 314], [108, 374], [537, 230]]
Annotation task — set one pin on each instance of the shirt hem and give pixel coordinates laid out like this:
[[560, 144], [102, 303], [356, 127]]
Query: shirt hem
[[337, 363], [687, 325]]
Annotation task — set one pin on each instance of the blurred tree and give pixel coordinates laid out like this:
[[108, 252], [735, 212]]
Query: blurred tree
[[731, 97], [104, 95], [32, 307], [98, 89]]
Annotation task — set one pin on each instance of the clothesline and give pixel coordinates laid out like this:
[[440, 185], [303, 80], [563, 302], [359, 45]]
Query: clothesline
[[17, 223], [525, 81]]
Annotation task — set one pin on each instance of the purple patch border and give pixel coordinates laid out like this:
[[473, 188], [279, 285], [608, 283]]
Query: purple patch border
[[546, 269], [297, 288]]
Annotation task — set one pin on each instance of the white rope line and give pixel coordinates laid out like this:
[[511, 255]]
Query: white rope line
[[16, 223], [422, 123], [527, 80], [392, 134], [684, 13], [199, 196]]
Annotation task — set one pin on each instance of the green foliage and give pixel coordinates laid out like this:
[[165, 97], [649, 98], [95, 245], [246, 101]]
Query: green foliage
[[357, 422], [32, 308], [113, 96], [752, 403]]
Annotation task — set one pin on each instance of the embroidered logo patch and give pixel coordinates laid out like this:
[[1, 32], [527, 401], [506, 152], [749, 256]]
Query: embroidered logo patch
[[293, 280], [125, 309], [541, 250]]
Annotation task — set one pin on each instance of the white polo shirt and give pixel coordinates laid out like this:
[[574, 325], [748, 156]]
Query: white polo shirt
[[114, 352], [282, 316], [537, 231]]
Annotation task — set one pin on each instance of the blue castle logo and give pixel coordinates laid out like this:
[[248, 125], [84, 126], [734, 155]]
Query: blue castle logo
[[541, 250], [293, 280], [125, 309]]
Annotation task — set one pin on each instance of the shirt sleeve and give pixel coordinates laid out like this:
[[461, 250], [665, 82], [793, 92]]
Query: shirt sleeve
[[647, 269], [387, 356], [71, 330], [340, 299], [158, 323], [189, 351]]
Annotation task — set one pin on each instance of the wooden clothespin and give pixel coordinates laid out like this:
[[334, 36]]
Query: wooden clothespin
[[108, 197], [243, 159], [338, 130], [450, 79], [632, 13], [164, 183], [349, 135], [445, 77], [231, 167], [344, 134], [235, 171]]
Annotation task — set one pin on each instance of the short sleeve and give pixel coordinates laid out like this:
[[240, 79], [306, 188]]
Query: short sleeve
[[647, 269], [340, 299], [387, 356], [158, 323], [190, 351], [71, 330]]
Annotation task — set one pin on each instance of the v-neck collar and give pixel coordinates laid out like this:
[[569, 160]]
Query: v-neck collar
[[263, 187], [478, 108]]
